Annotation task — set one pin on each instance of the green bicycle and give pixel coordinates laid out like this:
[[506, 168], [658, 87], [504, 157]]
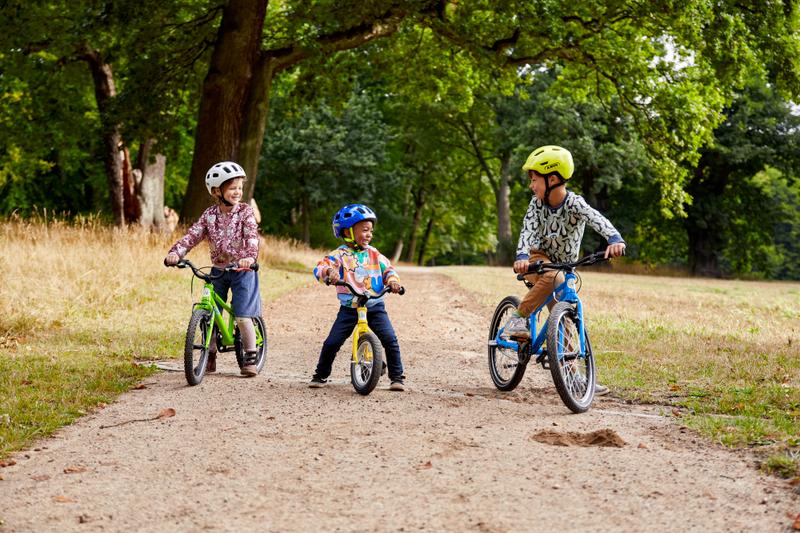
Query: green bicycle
[[207, 320]]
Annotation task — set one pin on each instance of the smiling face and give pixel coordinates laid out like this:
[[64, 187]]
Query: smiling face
[[362, 233], [232, 190], [538, 184]]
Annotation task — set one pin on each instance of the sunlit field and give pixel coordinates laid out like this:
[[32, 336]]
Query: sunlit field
[[85, 307], [726, 353]]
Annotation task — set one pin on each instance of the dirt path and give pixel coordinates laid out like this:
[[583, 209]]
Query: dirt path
[[451, 454]]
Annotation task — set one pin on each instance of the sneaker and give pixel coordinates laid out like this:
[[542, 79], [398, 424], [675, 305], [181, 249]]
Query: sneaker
[[600, 390], [397, 385], [516, 328], [317, 383], [249, 367], [211, 363]]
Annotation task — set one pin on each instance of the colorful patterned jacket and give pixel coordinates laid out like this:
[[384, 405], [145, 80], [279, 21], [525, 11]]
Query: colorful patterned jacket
[[363, 269], [232, 236]]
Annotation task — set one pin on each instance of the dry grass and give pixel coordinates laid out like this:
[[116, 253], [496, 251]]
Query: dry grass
[[82, 304], [723, 349]]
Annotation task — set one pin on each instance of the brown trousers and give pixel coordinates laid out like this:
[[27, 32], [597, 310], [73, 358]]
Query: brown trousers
[[543, 285]]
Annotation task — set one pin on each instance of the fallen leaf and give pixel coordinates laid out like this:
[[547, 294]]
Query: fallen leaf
[[140, 386], [676, 412], [424, 466], [166, 412], [10, 462], [63, 499], [796, 525], [74, 469], [41, 477], [795, 481], [674, 387], [642, 446]]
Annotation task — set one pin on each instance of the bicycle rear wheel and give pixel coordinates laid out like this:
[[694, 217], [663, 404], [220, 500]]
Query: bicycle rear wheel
[[195, 352], [365, 370], [261, 344], [573, 372], [506, 367]]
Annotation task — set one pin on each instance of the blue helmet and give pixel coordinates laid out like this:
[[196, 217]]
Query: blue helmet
[[349, 216]]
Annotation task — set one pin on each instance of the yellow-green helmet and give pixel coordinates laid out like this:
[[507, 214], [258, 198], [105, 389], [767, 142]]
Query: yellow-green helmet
[[547, 160]]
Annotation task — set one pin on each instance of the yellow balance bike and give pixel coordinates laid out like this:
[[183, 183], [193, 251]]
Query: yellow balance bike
[[367, 363]]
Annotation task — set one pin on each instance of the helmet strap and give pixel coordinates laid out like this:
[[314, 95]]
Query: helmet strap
[[351, 240], [549, 188]]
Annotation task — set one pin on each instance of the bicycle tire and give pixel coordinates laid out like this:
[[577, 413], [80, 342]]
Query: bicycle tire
[[261, 344], [573, 375], [195, 353], [365, 372], [503, 361]]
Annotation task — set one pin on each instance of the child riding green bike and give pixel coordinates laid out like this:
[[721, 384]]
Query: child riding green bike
[[232, 232]]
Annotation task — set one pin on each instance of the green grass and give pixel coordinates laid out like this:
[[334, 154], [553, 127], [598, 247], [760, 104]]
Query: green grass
[[102, 307], [726, 353]]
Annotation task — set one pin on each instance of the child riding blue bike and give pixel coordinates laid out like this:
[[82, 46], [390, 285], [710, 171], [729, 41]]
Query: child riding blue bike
[[552, 230]]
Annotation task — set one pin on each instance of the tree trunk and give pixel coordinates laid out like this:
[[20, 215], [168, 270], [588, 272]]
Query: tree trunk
[[225, 97], [704, 221], [419, 203], [150, 187], [398, 250], [505, 244], [424, 243], [131, 208], [305, 217], [255, 123], [113, 148]]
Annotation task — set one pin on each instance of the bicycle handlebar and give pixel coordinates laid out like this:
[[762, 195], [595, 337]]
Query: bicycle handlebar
[[183, 263], [538, 267], [355, 292]]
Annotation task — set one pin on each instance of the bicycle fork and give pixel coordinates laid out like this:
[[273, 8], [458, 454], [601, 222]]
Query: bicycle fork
[[361, 328]]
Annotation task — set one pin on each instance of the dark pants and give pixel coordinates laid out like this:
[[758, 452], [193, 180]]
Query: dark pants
[[346, 321]]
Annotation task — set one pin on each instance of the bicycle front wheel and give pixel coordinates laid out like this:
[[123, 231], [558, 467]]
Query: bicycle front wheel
[[195, 352], [573, 372], [261, 344], [365, 369], [505, 365]]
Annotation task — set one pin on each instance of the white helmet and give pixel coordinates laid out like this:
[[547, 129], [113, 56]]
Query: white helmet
[[222, 172]]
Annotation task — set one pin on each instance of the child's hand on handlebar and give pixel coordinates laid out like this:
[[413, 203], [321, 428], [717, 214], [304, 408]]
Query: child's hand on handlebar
[[332, 275], [615, 250], [172, 259], [521, 266], [394, 287], [246, 262]]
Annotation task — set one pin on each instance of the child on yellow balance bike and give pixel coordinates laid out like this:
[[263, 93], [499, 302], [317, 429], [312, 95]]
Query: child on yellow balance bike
[[365, 268]]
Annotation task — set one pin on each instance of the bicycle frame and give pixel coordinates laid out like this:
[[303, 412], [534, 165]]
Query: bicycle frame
[[563, 292], [361, 327], [211, 302]]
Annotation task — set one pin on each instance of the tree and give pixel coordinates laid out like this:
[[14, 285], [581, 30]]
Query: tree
[[732, 218], [621, 50], [60, 38]]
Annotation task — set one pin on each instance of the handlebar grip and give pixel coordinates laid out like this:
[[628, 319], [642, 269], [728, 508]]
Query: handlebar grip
[[402, 291], [254, 267]]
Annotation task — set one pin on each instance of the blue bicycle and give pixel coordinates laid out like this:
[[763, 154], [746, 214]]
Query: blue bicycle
[[560, 345]]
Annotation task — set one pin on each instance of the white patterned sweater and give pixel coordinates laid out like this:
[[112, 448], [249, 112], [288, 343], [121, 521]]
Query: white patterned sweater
[[558, 231]]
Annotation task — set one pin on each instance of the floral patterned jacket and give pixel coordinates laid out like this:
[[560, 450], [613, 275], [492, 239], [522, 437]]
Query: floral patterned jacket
[[231, 236]]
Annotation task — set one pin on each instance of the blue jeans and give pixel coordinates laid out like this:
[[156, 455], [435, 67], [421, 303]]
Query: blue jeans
[[245, 297], [346, 321]]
